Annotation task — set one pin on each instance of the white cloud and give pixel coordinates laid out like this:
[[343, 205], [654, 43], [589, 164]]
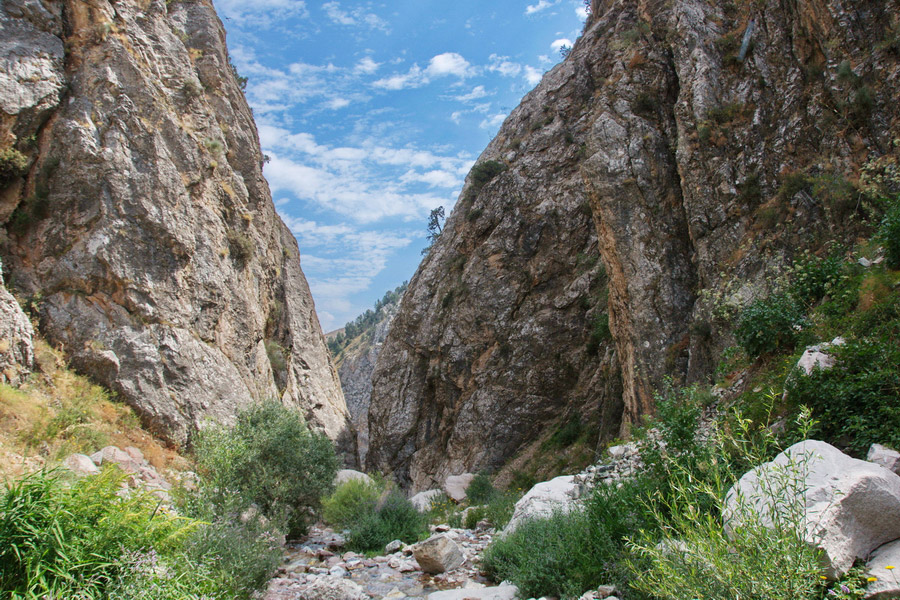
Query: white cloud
[[367, 66], [337, 103], [260, 13], [441, 65], [582, 12], [357, 16], [477, 93], [540, 6], [533, 76], [504, 66], [492, 121], [350, 181], [448, 63], [561, 43]]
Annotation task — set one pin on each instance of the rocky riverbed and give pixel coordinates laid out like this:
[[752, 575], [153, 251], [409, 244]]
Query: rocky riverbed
[[320, 567]]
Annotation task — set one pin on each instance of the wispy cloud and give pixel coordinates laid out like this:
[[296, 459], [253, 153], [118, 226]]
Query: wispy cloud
[[477, 93], [540, 6], [533, 76], [493, 121], [503, 66], [260, 13], [367, 66], [350, 181], [441, 65], [355, 17], [561, 43]]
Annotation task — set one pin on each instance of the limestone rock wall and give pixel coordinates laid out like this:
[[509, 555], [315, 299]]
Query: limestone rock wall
[[654, 146], [142, 227]]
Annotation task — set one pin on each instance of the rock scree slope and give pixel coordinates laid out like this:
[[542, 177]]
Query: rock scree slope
[[140, 227], [656, 148]]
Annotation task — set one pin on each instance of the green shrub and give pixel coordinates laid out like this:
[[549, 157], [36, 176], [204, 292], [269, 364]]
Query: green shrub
[[500, 509], [395, 518], [480, 490], [350, 502], [270, 458], [484, 172], [813, 278], [857, 402], [566, 434], [889, 234], [240, 247], [63, 541], [12, 164], [770, 324]]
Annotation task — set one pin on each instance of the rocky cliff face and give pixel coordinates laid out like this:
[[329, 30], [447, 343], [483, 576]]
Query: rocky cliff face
[[355, 365], [657, 146], [140, 224]]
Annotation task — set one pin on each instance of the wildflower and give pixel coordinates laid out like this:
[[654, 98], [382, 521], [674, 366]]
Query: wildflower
[[823, 577], [889, 567], [844, 589], [871, 579]]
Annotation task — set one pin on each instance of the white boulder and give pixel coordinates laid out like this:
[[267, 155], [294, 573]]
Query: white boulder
[[887, 581], [851, 506], [500, 592], [887, 458], [422, 501], [332, 588], [111, 454], [558, 494], [455, 486], [438, 554], [345, 475], [80, 464], [817, 357]]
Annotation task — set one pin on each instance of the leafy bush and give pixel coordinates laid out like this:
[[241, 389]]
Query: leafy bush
[[240, 247], [889, 234], [350, 502], [500, 509], [270, 458], [395, 518], [856, 403], [769, 325], [484, 172], [64, 541], [814, 278], [480, 490], [12, 164]]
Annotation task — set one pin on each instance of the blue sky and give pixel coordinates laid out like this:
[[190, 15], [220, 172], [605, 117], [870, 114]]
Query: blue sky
[[373, 112]]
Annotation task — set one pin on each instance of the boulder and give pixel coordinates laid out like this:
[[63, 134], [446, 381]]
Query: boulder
[[817, 357], [500, 592], [80, 464], [422, 501], [111, 454], [345, 475], [455, 486], [392, 547], [887, 458], [543, 499], [438, 554], [887, 583], [135, 454], [332, 588], [852, 506]]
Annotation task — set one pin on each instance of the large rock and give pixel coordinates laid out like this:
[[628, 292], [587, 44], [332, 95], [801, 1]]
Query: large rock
[[455, 486], [438, 554], [545, 498], [653, 148], [332, 588], [80, 464], [886, 457], [144, 229], [500, 592], [851, 506], [16, 343], [887, 584], [345, 475], [116, 456], [422, 501]]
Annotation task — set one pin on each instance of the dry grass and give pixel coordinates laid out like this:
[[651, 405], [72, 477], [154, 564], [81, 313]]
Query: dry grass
[[57, 412]]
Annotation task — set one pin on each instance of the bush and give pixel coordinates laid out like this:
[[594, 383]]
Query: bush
[[12, 164], [500, 509], [62, 541], [350, 502], [480, 490], [856, 402], [769, 325], [240, 247], [269, 458], [395, 518], [484, 172], [889, 234]]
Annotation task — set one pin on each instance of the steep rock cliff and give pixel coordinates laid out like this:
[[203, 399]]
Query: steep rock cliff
[[684, 151], [141, 226], [355, 365]]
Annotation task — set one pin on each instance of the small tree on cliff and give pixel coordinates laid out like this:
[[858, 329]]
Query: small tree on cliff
[[435, 227]]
